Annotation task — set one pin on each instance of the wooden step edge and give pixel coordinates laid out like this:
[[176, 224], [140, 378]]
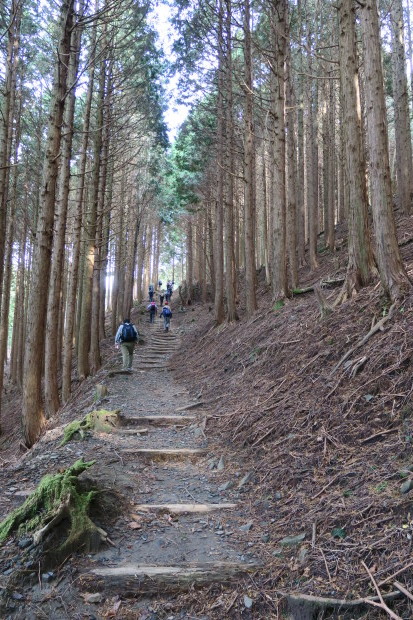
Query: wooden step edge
[[152, 367], [178, 509], [134, 579], [159, 419], [166, 452], [191, 406]]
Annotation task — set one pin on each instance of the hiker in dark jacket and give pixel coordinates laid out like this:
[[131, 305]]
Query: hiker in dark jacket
[[167, 315], [126, 336], [153, 311], [151, 292]]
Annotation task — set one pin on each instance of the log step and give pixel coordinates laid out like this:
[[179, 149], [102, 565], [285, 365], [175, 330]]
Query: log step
[[179, 509], [135, 431], [162, 420], [133, 579], [152, 367], [165, 453]]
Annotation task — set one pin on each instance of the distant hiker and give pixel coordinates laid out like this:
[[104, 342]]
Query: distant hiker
[[159, 283], [167, 295], [167, 316], [126, 336], [151, 292], [153, 310], [161, 297]]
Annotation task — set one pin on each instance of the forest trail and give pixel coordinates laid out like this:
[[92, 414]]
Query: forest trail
[[181, 510]]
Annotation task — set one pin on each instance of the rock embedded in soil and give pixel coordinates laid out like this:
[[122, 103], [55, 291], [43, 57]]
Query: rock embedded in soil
[[248, 602], [226, 486], [292, 540], [406, 486], [244, 480]]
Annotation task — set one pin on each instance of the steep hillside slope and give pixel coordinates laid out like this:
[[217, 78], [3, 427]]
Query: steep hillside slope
[[329, 439]]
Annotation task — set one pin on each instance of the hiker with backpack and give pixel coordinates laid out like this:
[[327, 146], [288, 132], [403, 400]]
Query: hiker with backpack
[[167, 315], [126, 336], [151, 292], [153, 310], [161, 297]]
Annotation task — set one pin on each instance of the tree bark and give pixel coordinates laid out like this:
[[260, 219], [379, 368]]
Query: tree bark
[[403, 136], [77, 227], [32, 412], [219, 206], [52, 345], [85, 326], [360, 256], [392, 273], [249, 167], [278, 26], [291, 160]]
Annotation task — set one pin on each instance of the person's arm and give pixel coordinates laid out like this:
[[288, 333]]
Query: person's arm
[[118, 334]]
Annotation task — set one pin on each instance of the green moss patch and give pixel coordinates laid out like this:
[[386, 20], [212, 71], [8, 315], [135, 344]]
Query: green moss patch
[[58, 498], [102, 421]]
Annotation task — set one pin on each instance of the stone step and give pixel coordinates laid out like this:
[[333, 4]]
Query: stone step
[[161, 420], [166, 453], [180, 509], [134, 579]]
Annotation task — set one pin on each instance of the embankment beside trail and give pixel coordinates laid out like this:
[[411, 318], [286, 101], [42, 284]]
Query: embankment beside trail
[[328, 440]]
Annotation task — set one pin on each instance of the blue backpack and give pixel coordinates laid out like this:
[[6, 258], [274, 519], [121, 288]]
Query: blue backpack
[[128, 333], [167, 311]]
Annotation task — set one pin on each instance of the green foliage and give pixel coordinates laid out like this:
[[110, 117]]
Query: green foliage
[[278, 305], [382, 486]]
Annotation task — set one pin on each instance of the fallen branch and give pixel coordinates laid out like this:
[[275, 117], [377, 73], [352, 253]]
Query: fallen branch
[[391, 430], [377, 327], [323, 284], [326, 487], [335, 603], [382, 604], [403, 590], [401, 570]]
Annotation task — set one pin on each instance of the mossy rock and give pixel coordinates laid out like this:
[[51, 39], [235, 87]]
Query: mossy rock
[[101, 420]]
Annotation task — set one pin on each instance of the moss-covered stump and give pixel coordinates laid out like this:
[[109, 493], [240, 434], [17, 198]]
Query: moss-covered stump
[[58, 500], [101, 420]]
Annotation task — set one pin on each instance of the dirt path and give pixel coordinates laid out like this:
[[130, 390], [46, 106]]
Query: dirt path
[[179, 525]]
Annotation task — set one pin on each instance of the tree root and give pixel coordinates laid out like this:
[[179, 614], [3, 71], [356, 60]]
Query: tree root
[[102, 421], [58, 498]]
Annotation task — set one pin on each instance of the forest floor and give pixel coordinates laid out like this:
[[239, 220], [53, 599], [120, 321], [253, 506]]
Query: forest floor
[[315, 451]]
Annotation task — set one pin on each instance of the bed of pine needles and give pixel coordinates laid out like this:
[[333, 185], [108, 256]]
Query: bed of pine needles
[[330, 444]]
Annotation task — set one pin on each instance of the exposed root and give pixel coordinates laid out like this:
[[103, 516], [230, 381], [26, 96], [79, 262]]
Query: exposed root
[[102, 421], [57, 499]]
